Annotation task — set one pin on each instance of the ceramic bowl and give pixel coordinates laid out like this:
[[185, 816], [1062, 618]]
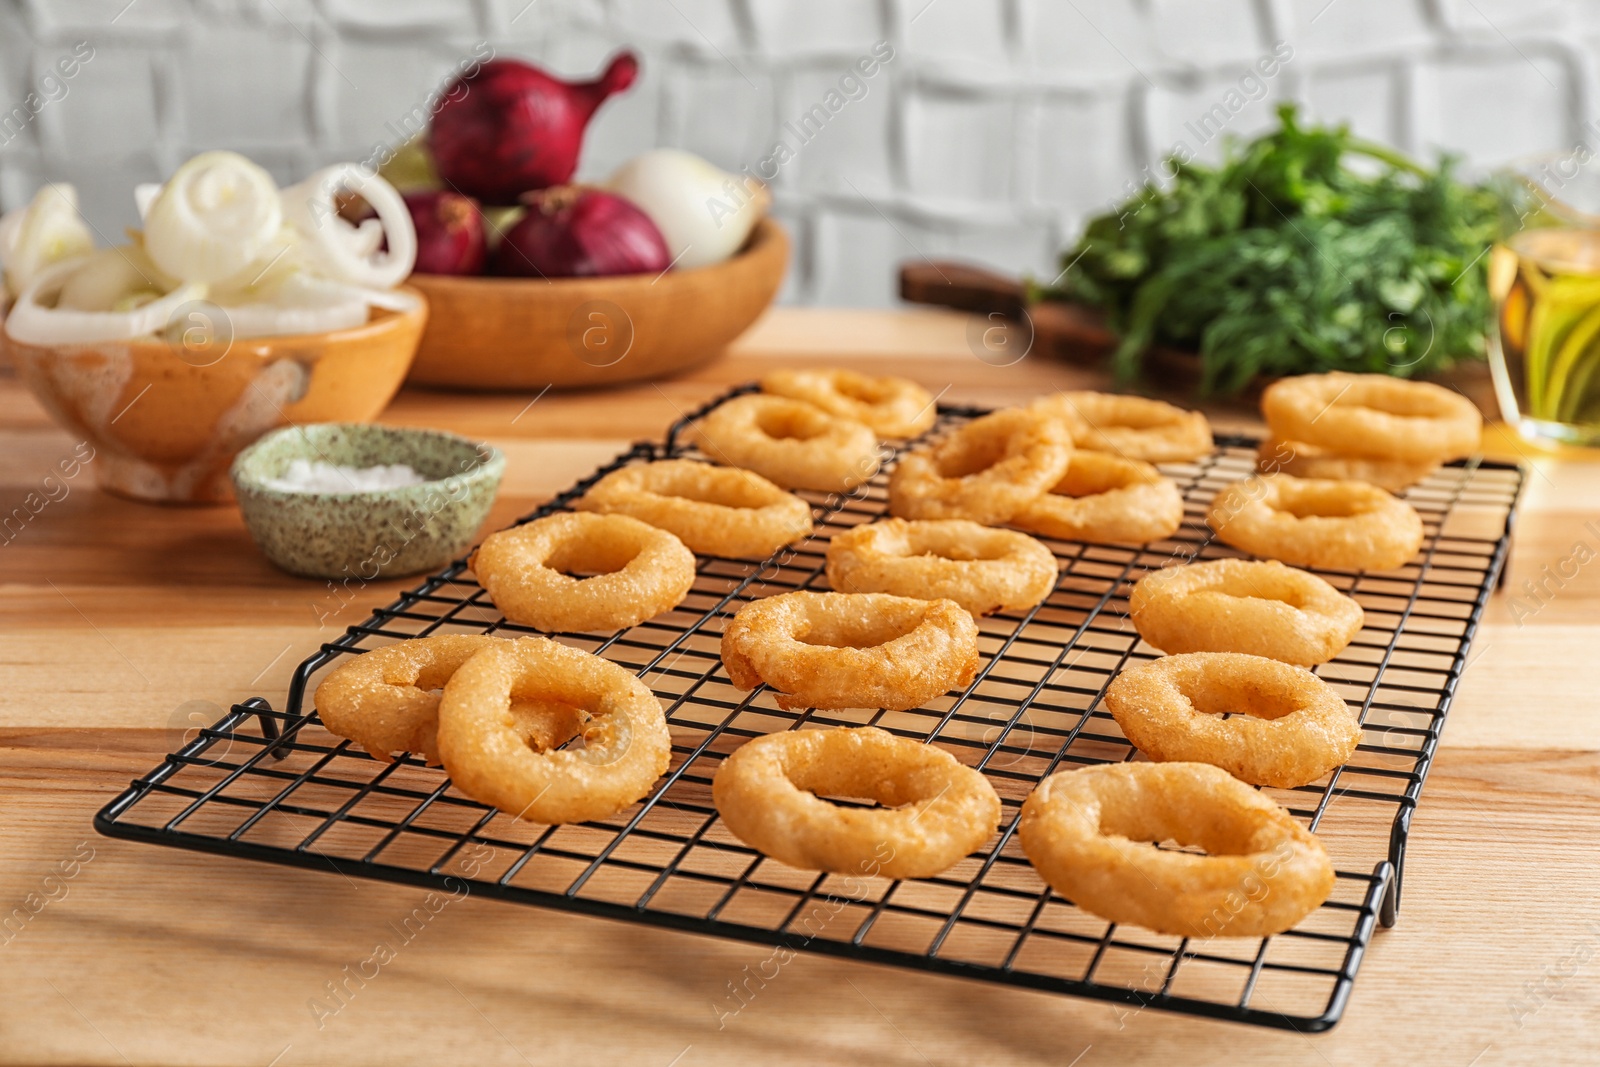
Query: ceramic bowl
[[529, 333], [373, 533], [166, 419]]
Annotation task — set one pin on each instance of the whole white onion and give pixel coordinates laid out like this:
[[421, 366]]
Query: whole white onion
[[705, 213]]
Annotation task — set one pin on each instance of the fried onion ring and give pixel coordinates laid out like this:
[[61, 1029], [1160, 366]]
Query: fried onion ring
[[1285, 726], [1085, 832], [625, 742], [1317, 523], [637, 572], [893, 407], [1373, 415], [851, 650], [1133, 427], [791, 442], [1104, 497], [716, 511], [1238, 605], [1309, 461], [986, 471], [935, 809], [982, 569], [387, 700]]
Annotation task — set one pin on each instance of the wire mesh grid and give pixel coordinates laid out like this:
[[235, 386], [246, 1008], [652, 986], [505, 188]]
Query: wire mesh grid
[[294, 794]]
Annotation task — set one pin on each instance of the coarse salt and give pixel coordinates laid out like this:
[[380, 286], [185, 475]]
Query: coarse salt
[[305, 476]]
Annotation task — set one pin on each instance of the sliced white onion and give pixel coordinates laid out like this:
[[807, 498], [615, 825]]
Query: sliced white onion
[[212, 218], [33, 320], [48, 231], [350, 253], [110, 276], [144, 194]]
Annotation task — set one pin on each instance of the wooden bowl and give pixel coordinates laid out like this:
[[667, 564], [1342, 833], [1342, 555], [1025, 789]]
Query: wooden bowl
[[164, 423], [529, 333]]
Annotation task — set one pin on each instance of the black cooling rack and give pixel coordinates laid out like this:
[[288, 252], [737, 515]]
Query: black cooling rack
[[272, 785]]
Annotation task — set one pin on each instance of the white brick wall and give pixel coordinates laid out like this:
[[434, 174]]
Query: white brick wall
[[996, 129]]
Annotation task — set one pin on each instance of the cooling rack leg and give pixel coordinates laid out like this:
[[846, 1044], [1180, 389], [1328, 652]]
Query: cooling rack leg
[[1390, 910], [269, 725]]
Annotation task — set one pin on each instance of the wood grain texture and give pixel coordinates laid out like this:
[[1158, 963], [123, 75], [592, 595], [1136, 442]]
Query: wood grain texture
[[124, 622]]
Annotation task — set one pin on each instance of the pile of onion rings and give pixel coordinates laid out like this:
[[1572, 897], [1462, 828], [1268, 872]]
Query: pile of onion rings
[[1086, 832], [637, 572], [1104, 497], [1285, 726], [793, 443], [985, 471], [936, 810], [387, 700], [1133, 427], [716, 511], [1313, 523], [1259, 607], [625, 742], [982, 569], [893, 407], [851, 650]]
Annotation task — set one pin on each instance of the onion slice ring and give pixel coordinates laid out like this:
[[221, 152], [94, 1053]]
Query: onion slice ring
[[851, 650], [1104, 497], [1085, 832], [937, 810], [716, 511], [1133, 427], [1317, 523], [982, 569], [1374, 415], [626, 746], [793, 443], [893, 407], [1259, 607], [1286, 727], [638, 572], [985, 471], [1309, 461], [387, 700]]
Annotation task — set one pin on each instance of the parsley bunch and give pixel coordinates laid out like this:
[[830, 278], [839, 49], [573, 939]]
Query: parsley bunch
[[1286, 260]]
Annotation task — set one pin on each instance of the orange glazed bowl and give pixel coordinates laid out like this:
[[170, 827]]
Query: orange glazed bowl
[[529, 333], [165, 420]]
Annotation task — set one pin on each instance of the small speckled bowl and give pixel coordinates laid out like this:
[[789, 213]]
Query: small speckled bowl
[[362, 535]]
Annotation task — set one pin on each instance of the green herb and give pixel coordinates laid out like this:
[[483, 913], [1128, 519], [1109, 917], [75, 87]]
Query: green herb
[[1285, 260]]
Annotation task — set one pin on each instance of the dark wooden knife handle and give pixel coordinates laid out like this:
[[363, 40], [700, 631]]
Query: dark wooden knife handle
[[961, 286]]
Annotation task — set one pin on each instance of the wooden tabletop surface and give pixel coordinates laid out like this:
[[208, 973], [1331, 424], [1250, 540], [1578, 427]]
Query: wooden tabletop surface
[[123, 623]]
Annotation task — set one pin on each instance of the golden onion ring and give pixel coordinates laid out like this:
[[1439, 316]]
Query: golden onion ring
[[1309, 461], [985, 471], [936, 810], [1104, 497], [1285, 726], [982, 569], [625, 742], [1086, 832], [1133, 427], [637, 572], [1259, 607], [893, 407], [790, 442], [851, 650], [387, 700], [1316, 523], [1373, 415], [716, 511]]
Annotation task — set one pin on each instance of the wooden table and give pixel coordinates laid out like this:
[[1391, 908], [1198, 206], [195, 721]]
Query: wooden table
[[124, 624]]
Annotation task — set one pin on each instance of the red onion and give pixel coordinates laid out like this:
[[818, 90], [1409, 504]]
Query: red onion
[[509, 127], [572, 231], [450, 233]]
